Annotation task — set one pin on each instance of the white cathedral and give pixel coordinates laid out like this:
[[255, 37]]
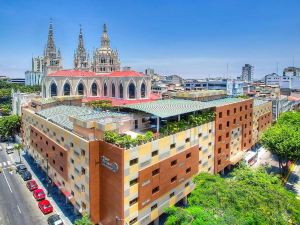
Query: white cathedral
[[100, 78]]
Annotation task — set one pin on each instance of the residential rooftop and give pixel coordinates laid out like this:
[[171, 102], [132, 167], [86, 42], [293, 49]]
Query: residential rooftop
[[257, 102]]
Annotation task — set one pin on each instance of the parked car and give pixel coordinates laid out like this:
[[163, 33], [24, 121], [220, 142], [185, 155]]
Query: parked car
[[9, 149], [21, 168], [45, 206], [26, 175], [39, 194], [32, 185], [55, 220]]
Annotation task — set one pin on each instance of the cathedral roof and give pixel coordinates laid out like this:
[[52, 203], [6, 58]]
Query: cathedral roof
[[79, 73]]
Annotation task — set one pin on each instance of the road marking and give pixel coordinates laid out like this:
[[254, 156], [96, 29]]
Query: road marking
[[19, 209], [7, 181]]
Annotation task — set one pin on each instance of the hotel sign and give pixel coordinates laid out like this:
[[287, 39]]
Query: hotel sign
[[113, 166]]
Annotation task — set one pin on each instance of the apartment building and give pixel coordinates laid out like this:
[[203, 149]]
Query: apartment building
[[133, 183], [262, 118]]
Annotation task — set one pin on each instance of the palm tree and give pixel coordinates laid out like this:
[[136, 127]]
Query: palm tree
[[19, 147]]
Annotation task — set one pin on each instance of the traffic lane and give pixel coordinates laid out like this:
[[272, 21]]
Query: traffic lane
[[27, 205], [26, 202], [9, 213]]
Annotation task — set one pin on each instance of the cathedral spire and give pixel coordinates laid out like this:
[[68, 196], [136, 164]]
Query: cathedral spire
[[81, 57], [50, 42], [105, 40]]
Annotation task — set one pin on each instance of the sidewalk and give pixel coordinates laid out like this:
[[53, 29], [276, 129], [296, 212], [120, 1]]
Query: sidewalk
[[57, 199], [293, 183]]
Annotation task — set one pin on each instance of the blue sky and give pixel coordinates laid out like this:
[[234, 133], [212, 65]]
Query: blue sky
[[191, 38]]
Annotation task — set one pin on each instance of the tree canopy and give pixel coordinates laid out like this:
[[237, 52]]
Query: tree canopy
[[247, 197], [84, 220], [283, 139], [9, 125]]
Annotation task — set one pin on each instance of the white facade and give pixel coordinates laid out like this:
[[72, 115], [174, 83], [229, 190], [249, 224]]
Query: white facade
[[284, 82], [233, 87], [19, 100], [33, 78]]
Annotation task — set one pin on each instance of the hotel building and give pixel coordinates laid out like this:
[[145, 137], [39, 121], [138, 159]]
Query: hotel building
[[135, 182]]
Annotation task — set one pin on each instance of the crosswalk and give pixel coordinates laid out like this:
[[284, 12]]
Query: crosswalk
[[5, 164]]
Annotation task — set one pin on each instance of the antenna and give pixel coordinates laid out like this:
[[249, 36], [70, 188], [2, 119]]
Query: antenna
[[277, 67], [293, 61]]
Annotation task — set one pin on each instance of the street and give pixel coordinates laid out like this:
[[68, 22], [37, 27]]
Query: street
[[17, 205]]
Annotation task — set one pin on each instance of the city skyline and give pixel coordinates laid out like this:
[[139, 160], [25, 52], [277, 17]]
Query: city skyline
[[160, 36]]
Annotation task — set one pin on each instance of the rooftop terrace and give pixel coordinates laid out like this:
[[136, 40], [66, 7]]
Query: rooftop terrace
[[173, 107]]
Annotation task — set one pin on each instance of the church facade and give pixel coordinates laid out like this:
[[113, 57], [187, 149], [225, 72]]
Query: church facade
[[99, 78]]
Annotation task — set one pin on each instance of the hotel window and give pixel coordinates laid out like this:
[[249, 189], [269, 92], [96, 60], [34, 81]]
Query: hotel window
[[220, 114], [61, 169], [174, 162], [220, 138], [172, 146], [228, 112], [209, 169], [82, 188], [82, 170], [133, 201], [155, 172], [133, 162], [71, 144], [41, 138], [46, 142], [241, 108], [227, 146], [153, 207], [53, 148], [47, 155], [210, 131], [53, 161], [188, 155], [227, 134], [173, 179], [209, 157], [200, 135], [54, 134], [220, 126], [234, 110], [200, 148], [187, 140], [219, 150], [154, 153], [246, 107], [61, 154], [72, 177], [187, 184], [172, 194], [188, 170], [133, 221], [219, 162], [241, 118], [82, 152], [234, 121], [155, 190], [133, 182], [228, 124], [72, 161], [62, 139]]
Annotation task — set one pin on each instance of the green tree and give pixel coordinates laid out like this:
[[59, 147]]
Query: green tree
[[247, 197], [84, 220], [283, 139], [9, 125], [19, 148]]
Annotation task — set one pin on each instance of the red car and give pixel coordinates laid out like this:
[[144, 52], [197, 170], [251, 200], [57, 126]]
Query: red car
[[39, 194], [45, 206], [32, 185]]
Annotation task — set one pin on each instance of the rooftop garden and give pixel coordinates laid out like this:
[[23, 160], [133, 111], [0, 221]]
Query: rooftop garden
[[126, 141]]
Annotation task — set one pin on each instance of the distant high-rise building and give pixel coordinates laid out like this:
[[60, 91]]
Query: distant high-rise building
[[247, 73], [149, 72], [81, 57], [35, 76], [38, 64], [291, 71]]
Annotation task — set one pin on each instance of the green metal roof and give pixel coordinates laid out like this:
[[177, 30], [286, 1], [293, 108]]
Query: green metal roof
[[173, 107]]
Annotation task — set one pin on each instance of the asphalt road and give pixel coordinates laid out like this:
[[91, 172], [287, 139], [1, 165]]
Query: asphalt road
[[17, 205]]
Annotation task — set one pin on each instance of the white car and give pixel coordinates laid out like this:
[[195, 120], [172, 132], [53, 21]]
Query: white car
[[9, 149]]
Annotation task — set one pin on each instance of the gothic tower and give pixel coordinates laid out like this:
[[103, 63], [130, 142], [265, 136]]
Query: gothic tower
[[105, 60], [52, 57], [81, 58]]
